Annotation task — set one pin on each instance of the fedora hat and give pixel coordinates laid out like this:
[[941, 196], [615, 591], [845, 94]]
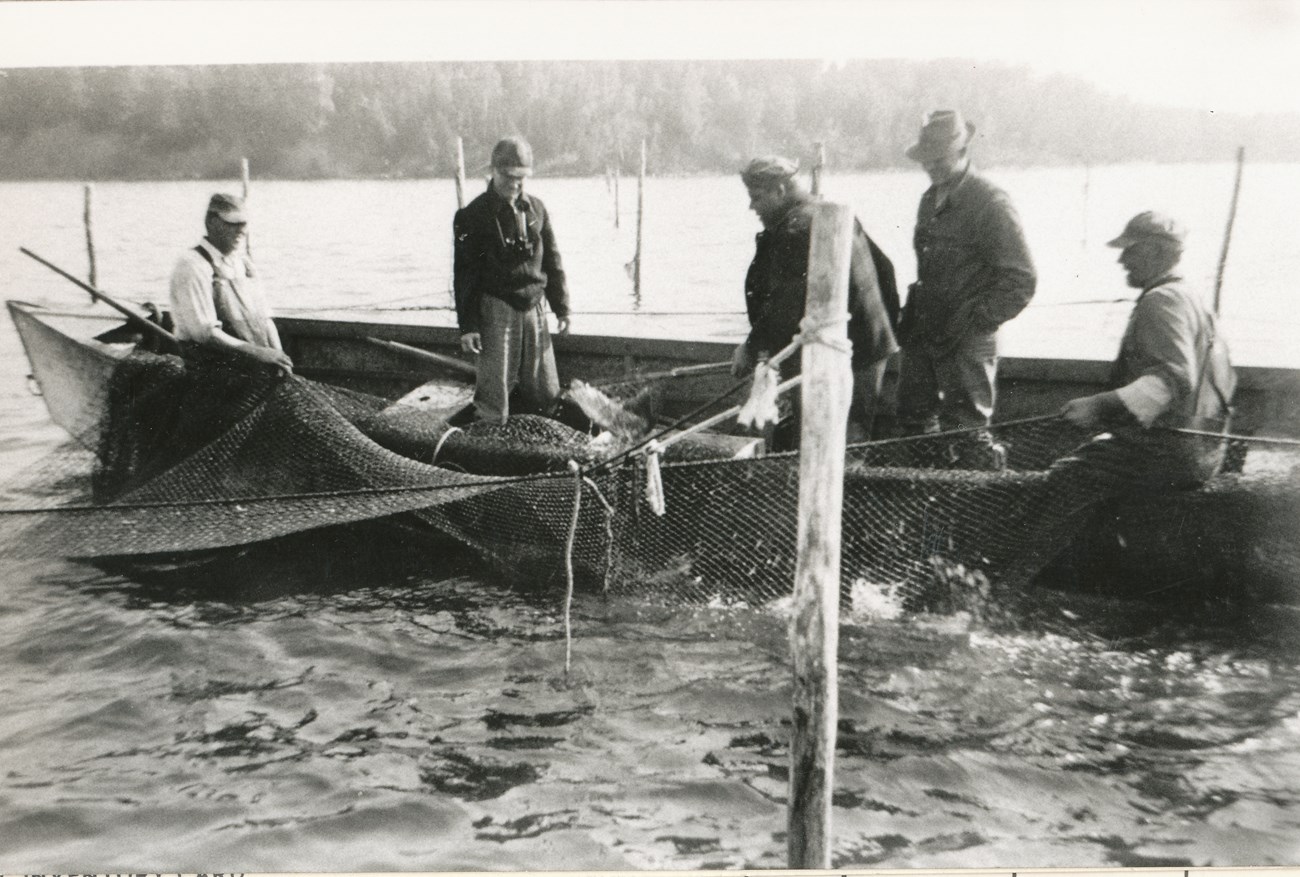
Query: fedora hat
[[942, 132]]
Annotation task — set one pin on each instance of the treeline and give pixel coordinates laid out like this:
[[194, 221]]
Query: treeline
[[402, 120]]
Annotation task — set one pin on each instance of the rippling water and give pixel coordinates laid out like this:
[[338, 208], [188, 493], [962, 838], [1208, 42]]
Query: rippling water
[[363, 704]]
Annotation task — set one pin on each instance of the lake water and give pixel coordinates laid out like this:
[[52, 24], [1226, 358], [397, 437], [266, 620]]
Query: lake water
[[312, 710]]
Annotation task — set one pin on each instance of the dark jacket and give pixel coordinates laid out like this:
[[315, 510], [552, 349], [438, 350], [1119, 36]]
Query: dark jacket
[[493, 258], [973, 268], [777, 282]]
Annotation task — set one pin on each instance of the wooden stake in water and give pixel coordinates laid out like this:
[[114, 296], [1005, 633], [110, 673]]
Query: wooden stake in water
[[1227, 232], [640, 224], [243, 174], [460, 173], [88, 220], [817, 168], [814, 623]]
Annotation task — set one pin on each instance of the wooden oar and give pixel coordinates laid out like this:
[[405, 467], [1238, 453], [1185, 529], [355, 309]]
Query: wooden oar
[[681, 371], [132, 316], [420, 353]]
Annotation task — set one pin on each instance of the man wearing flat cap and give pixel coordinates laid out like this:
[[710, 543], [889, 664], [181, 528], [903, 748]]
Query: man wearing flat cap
[[215, 301], [507, 268], [776, 291], [974, 273], [1172, 374]]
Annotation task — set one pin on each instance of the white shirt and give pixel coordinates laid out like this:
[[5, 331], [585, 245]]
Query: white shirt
[[199, 300]]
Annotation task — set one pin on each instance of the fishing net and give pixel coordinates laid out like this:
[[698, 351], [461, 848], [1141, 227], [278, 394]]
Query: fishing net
[[200, 455]]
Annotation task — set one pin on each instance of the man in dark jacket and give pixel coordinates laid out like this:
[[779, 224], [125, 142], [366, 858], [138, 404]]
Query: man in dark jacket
[[776, 290], [973, 273], [506, 264]]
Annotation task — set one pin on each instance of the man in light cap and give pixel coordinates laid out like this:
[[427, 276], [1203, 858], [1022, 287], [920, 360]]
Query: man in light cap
[[507, 268], [1172, 373], [974, 273], [215, 301], [776, 291]]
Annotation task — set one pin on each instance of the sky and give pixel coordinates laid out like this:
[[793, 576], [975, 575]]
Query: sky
[[1220, 55]]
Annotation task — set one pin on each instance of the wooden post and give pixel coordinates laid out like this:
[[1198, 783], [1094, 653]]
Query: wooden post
[[243, 174], [640, 223], [460, 173], [1227, 232], [88, 220], [817, 168], [618, 171], [814, 623]]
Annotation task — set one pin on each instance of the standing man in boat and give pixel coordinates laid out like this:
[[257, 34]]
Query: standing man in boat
[[215, 301], [507, 268], [776, 292], [1161, 426], [974, 273]]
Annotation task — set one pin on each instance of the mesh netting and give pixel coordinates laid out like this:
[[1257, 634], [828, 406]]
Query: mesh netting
[[200, 455]]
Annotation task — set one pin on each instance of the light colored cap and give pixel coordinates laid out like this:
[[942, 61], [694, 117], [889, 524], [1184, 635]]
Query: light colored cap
[[1149, 224], [227, 207], [769, 169]]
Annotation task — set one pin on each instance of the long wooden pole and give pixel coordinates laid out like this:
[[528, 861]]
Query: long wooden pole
[[460, 173], [817, 169], [135, 318], [243, 176], [814, 624], [1227, 232], [461, 189], [640, 223], [88, 219]]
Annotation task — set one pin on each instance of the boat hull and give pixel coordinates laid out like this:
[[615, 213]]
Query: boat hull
[[1236, 537]]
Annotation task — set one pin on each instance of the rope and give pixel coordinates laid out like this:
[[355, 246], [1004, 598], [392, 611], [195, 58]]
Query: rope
[[438, 447], [609, 532], [568, 567], [1232, 437], [812, 333]]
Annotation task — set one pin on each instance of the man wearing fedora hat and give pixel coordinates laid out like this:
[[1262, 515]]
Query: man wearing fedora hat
[[974, 273], [215, 301], [776, 291], [1172, 374], [507, 267]]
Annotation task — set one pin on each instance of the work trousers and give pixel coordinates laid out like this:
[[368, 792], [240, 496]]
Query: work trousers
[[953, 390], [1127, 461], [517, 354]]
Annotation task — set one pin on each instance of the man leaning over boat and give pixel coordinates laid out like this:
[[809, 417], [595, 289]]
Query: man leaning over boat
[[1161, 426], [776, 292], [216, 304]]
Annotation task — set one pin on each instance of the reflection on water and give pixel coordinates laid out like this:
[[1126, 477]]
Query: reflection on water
[[328, 714]]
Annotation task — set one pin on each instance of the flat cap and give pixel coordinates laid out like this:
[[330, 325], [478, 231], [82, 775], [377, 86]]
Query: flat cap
[[1149, 224], [513, 155], [227, 207], [769, 169]]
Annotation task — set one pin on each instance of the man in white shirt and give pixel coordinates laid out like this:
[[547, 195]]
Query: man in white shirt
[[215, 301]]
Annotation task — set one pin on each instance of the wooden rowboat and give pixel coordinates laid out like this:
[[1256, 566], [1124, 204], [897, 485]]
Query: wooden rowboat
[[1233, 535]]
